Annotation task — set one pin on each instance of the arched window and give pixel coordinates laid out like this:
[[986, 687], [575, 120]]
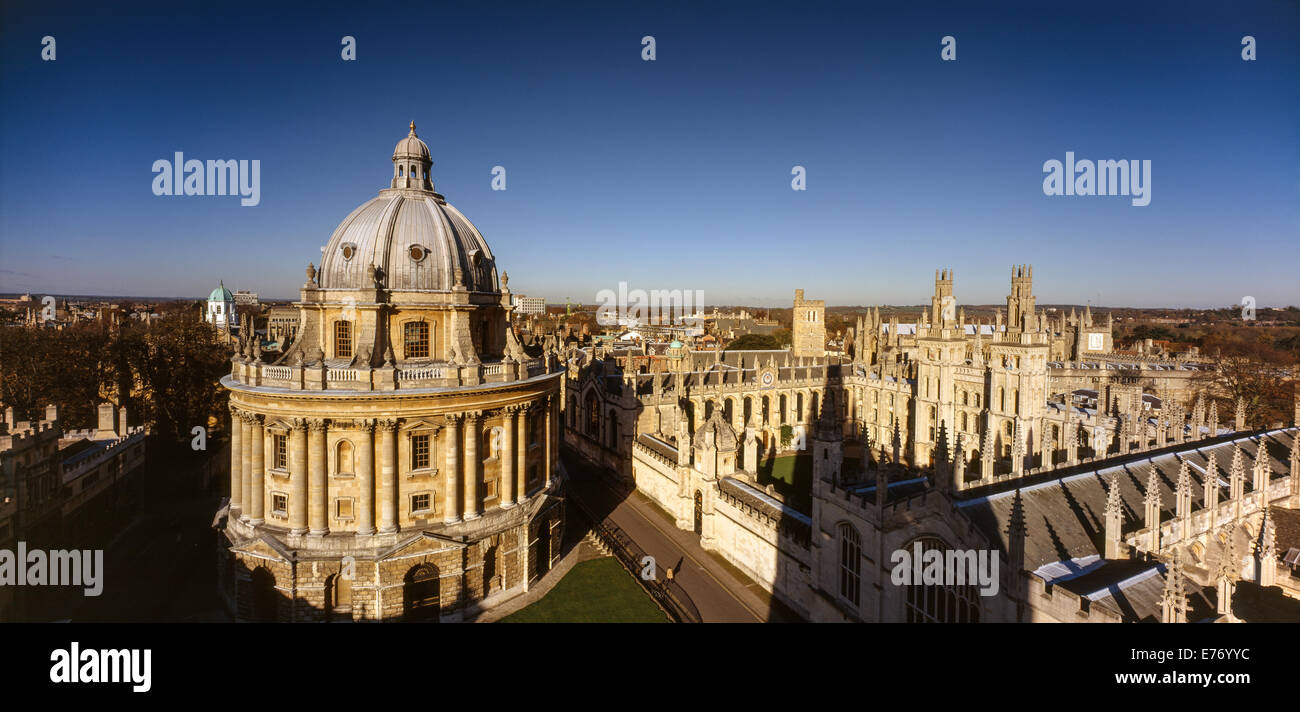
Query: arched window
[[343, 464], [940, 603], [593, 414], [850, 564], [338, 598], [782, 408], [342, 339], [265, 598], [1002, 399], [613, 429], [415, 339], [963, 422], [400, 174]]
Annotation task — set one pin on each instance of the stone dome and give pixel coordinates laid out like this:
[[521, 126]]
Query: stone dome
[[415, 239]]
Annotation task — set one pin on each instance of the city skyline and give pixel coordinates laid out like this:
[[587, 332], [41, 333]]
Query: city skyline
[[674, 173]]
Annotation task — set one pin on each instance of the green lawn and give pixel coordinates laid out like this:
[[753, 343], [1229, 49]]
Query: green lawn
[[595, 591], [791, 476]]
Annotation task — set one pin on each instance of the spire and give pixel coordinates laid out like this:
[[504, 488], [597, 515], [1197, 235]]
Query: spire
[[1262, 471], [1183, 496], [1016, 533], [1236, 480], [1114, 519], [1266, 549], [1212, 486], [1229, 571], [1173, 603], [1152, 509]]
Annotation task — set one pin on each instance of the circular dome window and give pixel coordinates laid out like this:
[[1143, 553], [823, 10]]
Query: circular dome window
[[349, 250], [418, 253]]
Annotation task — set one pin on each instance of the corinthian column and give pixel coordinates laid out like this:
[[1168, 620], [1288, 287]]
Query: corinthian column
[[236, 462], [521, 454], [246, 462], [298, 478], [366, 478], [256, 503], [317, 480], [550, 425], [451, 470], [507, 457], [473, 504], [388, 476]]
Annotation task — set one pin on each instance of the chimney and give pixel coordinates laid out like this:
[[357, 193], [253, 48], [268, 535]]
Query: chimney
[[121, 419], [106, 415]]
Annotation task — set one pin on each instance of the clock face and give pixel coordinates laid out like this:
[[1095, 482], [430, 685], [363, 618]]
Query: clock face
[[767, 378], [1095, 342]]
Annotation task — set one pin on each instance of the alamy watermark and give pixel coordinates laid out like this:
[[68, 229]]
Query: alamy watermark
[[60, 567], [655, 307], [952, 567], [1106, 177], [194, 177]]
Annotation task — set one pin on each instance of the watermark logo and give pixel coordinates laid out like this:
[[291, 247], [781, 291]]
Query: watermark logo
[[48, 50], [70, 567], [649, 571], [1248, 48], [1248, 308], [200, 439], [349, 52], [47, 308], [658, 306], [1106, 177], [498, 178], [949, 51], [348, 571], [800, 180], [182, 177], [648, 48], [349, 310], [129, 665], [953, 567]]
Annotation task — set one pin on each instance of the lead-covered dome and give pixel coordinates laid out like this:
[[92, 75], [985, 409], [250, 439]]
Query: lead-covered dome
[[415, 239]]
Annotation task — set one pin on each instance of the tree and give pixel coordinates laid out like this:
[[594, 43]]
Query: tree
[[1249, 369], [754, 342]]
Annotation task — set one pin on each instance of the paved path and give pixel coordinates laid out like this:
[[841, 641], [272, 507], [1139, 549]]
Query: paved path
[[719, 594]]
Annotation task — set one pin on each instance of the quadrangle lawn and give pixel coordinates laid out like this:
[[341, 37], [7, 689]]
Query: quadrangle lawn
[[595, 591]]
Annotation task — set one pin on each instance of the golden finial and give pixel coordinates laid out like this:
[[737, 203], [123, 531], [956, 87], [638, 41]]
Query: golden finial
[[412, 128]]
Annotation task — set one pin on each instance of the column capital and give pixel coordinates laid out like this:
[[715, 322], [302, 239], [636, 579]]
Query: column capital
[[297, 424], [453, 419], [234, 409], [473, 416], [316, 425], [365, 424], [253, 418], [387, 425], [514, 409]]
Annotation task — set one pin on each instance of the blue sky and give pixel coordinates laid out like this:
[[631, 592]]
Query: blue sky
[[671, 174]]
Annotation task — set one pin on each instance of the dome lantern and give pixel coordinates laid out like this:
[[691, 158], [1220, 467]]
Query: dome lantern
[[411, 163]]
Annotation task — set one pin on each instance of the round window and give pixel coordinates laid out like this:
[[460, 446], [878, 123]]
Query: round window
[[417, 253], [348, 251]]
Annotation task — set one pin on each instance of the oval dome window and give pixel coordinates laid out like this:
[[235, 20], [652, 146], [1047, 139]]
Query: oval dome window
[[418, 253]]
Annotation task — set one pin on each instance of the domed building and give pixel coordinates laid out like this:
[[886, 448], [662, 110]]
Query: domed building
[[221, 308], [398, 462]]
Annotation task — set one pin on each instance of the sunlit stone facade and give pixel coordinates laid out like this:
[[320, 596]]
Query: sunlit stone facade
[[398, 462]]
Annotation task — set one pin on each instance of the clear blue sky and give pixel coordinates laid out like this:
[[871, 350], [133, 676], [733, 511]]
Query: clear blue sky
[[673, 173]]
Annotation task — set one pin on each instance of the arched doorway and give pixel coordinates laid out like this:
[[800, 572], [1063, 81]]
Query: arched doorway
[[699, 512], [265, 600], [421, 592]]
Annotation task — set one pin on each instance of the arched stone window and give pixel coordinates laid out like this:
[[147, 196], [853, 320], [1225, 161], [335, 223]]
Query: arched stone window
[[613, 429], [593, 415], [940, 603], [850, 564]]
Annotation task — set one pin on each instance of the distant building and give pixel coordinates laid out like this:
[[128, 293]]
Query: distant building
[[282, 324], [245, 298], [221, 308], [529, 305]]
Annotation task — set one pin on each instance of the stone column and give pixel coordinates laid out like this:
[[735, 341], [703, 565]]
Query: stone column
[[317, 478], [256, 504], [473, 504], [236, 461], [550, 424], [451, 450], [298, 478], [387, 476], [507, 457], [366, 478], [246, 463], [521, 454]]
